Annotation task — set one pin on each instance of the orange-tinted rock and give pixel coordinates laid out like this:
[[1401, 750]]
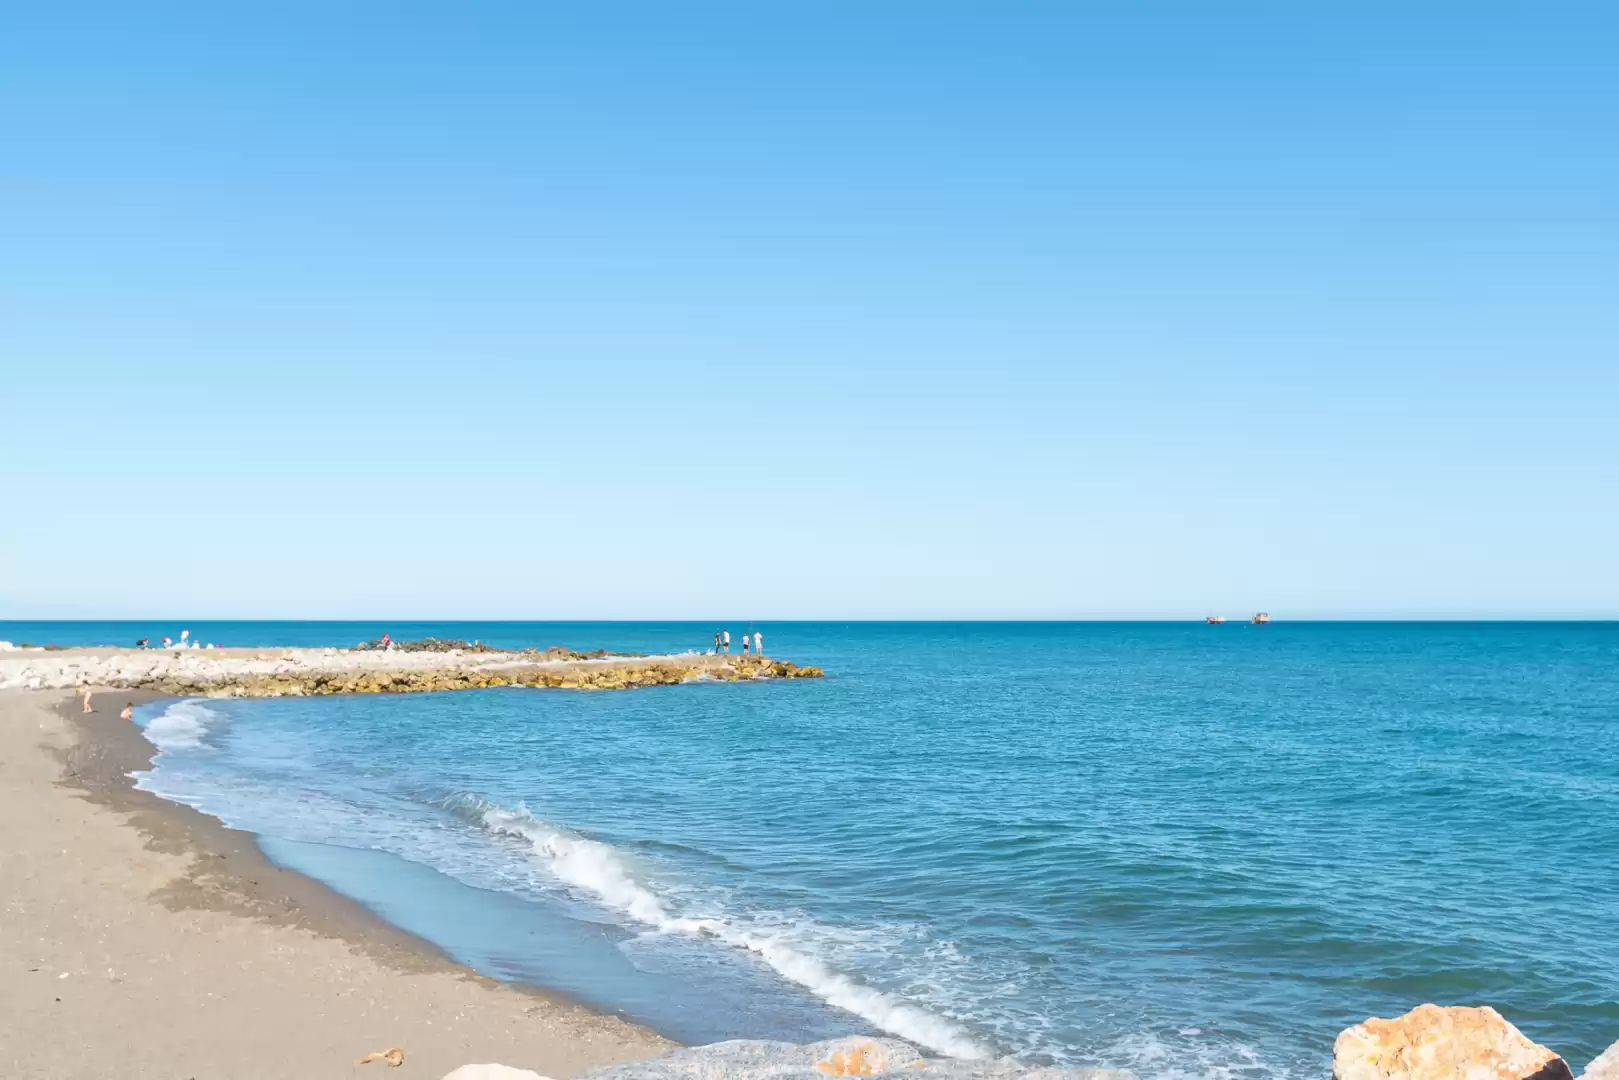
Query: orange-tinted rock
[[1433, 1043], [859, 1059]]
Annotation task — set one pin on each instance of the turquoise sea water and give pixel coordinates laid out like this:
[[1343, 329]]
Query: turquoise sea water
[[1186, 850]]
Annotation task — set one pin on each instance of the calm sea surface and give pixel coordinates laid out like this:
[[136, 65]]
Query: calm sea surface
[[1185, 850]]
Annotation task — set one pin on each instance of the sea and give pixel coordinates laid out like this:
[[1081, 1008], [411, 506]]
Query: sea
[[1181, 849]]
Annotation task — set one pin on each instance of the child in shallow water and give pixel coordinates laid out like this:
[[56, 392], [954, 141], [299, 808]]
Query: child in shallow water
[[128, 713]]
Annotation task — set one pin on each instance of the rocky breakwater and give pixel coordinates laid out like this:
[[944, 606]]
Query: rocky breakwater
[[1427, 1043], [747, 1059], [301, 672], [452, 645]]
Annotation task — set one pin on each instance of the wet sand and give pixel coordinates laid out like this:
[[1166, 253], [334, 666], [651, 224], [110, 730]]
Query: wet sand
[[141, 938]]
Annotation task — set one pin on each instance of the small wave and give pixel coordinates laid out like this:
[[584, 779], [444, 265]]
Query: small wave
[[1191, 1054], [182, 726], [600, 870]]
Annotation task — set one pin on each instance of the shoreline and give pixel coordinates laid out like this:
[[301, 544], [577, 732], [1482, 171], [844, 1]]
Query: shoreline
[[231, 872], [106, 750], [190, 883]]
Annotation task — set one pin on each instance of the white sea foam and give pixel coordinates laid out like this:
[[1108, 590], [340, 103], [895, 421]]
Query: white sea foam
[[601, 871], [1199, 1056], [182, 726]]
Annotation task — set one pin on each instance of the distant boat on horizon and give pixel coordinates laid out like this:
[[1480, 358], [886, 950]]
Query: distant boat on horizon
[[1215, 620], [1261, 618]]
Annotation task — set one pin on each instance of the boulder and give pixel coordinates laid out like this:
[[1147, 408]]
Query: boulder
[[1605, 1067], [492, 1072], [747, 1059], [1433, 1043]]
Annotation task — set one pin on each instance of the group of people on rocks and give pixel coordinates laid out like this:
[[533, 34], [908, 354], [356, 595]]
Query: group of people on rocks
[[722, 643], [168, 643]]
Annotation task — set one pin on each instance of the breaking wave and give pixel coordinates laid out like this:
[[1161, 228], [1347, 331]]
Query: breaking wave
[[181, 726], [601, 871]]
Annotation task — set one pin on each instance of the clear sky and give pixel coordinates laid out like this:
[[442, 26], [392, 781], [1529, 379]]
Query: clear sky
[[760, 311]]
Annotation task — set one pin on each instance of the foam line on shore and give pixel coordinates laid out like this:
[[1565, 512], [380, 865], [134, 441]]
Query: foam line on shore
[[600, 870]]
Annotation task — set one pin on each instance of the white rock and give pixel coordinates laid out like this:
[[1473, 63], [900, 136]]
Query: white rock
[[1605, 1067], [493, 1072]]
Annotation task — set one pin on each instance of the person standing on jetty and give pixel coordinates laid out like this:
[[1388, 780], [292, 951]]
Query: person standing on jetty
[[725, 636], [744, 643], [716, 643], [758, 644]]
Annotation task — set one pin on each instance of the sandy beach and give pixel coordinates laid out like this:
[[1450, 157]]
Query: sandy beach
[[143, 939]]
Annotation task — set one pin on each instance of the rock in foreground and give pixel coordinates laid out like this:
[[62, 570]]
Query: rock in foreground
[[1605, 1067], [1431, 1043], [747, 1059]]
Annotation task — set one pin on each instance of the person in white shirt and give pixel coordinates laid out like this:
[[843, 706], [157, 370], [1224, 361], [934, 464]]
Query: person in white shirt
[[726, 638], [758, 644]]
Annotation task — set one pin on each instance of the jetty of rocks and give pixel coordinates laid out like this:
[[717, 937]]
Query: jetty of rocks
[[302, 672], [751, 1059], [1427, 1043]]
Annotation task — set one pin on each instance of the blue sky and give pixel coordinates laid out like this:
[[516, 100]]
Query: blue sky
[[809, 310]]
